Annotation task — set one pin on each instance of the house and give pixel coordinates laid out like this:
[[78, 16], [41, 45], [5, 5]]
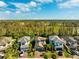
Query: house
[[71, 42], [5, 42], [57, 43], [24, 44], [40, 42], [77, 38]]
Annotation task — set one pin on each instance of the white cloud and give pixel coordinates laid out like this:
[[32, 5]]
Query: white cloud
[[2, 4], [22, 6], [25, 7], [30, 6], [33, 4], [45, 1], [69, 4]]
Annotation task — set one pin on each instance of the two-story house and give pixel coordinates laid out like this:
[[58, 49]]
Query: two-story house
[[40, 42], [71, 42], [57, 43], [24, 44]]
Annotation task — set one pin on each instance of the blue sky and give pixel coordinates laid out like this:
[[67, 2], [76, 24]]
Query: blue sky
[[39, 9]]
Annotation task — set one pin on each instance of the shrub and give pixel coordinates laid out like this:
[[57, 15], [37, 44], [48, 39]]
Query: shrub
[[43, 34], [49, 54], [54, 55], [66, 54], [45, 56]]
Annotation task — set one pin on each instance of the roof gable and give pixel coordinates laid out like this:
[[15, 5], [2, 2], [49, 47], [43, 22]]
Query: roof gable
[[24, 39], [55, 38]]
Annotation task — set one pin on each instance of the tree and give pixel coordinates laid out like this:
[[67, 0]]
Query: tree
[[30, 51], [54, 56], [12, 52], [44, 34], [48, 47], [9, 54]]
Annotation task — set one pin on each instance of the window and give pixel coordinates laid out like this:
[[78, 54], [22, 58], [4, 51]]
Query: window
[[23, 43], [59, 49], [58, 43]]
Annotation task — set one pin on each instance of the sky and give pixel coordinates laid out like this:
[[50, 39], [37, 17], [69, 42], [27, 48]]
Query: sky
[[39, 9]]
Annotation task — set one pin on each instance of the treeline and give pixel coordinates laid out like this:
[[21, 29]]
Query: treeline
[[42, 28]]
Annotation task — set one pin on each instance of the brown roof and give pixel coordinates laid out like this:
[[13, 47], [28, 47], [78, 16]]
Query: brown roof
[[40, 38], [4, 40]]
